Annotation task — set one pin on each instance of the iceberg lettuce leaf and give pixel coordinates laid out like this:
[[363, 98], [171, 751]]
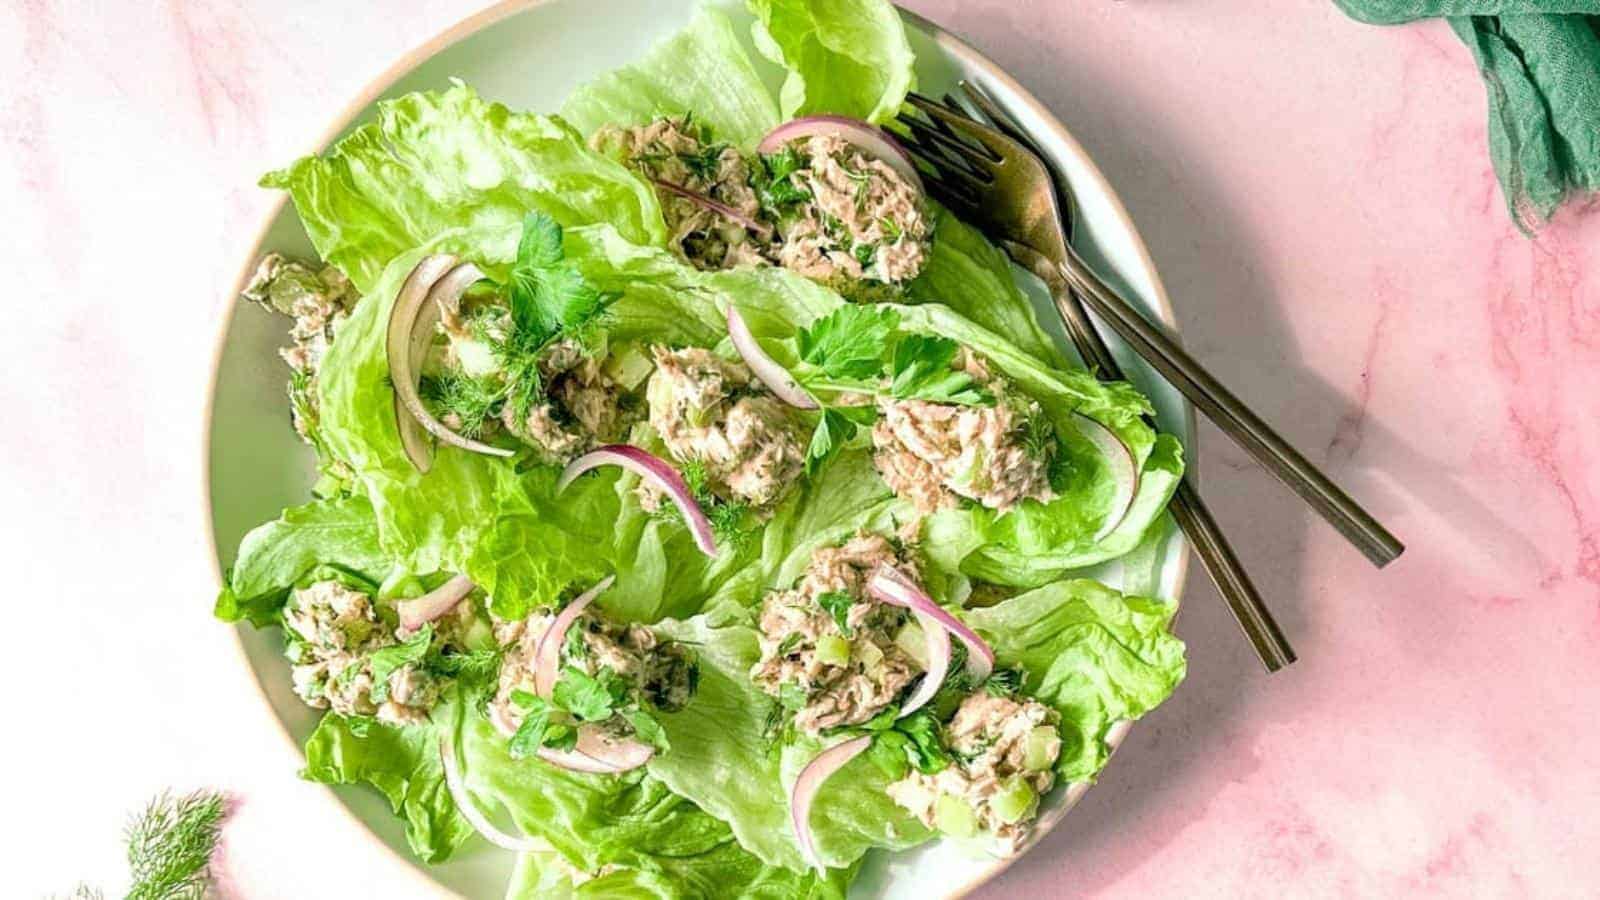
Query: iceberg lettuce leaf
[[403, 764], [702, 71], [843, 57], [437, 164]]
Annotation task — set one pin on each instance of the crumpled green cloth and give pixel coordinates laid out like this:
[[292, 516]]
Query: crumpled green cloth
[[1540, 61]]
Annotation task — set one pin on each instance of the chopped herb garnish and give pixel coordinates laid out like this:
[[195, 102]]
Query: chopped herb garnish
[[837, 604], [387, 661]]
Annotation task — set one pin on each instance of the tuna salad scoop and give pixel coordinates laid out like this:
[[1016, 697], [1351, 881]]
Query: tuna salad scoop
[[569, 401], [712, 412], [829, 652], [335, 639], [1003, 752], [318, 300], [603, 676], [704, 188], [850, 216], [933, 454]]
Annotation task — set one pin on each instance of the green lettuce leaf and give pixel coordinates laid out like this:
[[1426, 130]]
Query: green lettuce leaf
[[403, 764], [661, 843], [443, 165], [973, 277], [844, 57], [703, 71], [1091, 653], [1097, 656], [340, 534]]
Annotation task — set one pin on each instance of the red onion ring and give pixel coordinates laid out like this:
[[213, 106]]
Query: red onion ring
[[419, 611], [938, 644], [722, 209], [1124, 470], [659, 473], [411, 324], [868, 138], [805, 790], [775, 377], [547, 652], [890, 586], [413, 292], [475, 816]]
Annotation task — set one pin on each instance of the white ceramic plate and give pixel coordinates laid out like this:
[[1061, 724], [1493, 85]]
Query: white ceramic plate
[[530, 54]]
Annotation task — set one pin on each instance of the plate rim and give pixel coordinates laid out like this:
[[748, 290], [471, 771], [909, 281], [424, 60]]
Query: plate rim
[[491, 15]]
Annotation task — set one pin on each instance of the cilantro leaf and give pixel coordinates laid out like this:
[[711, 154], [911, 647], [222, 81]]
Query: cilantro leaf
[[920, 370], [837, 604], [848, 343]]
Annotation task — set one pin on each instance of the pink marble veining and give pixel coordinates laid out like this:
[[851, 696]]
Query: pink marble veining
[[1317, 196]]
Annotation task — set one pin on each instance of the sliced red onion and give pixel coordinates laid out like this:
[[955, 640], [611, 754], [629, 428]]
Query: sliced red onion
[[411, 323], [890, 586], [475, 816], [866, 137], [775, 377], [938, 644], [407, 306], [722, 209], [547, 652], [805, 790], [1124, 470], [659, 473], [596, 754], [420, 611]]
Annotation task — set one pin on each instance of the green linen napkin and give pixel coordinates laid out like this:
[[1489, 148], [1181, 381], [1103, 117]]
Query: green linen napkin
[[1540, 61]]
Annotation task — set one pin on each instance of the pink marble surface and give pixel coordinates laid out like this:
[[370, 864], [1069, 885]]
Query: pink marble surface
[[1317, 197]]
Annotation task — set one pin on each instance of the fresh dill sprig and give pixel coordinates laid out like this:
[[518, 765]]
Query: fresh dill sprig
[[170, 845], [473, 400]]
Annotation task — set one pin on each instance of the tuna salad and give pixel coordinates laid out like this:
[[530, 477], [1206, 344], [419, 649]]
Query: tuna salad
[[561, 400], [829, 653], [711, 412], [607, 674], [1003, 750], [679, 153], [318, 299], [998, 455], [858, 219], [344, 656]]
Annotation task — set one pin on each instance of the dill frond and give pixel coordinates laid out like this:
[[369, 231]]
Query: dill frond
[[170, 845]]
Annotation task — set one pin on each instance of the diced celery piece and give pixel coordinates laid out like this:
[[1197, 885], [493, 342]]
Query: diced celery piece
[[911, 639], [1042, 747], [833, 650], [954, 816], [1014, 801]]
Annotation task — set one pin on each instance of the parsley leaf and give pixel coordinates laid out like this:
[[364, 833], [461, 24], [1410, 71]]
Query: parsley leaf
[[848, 343], [538, 728], [833, 430], [589, 698], [837, 604], [926, 749], [920, 370], [387, 661], [647, 729], [777, 191]]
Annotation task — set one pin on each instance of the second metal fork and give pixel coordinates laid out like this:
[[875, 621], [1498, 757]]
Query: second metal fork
[[1031, 218]]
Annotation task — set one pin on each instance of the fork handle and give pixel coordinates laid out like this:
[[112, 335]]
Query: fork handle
[[1233, 417], [1187, 508]]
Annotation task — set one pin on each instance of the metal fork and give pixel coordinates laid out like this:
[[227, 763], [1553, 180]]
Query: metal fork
[[1004, 185], [1038, 220]]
